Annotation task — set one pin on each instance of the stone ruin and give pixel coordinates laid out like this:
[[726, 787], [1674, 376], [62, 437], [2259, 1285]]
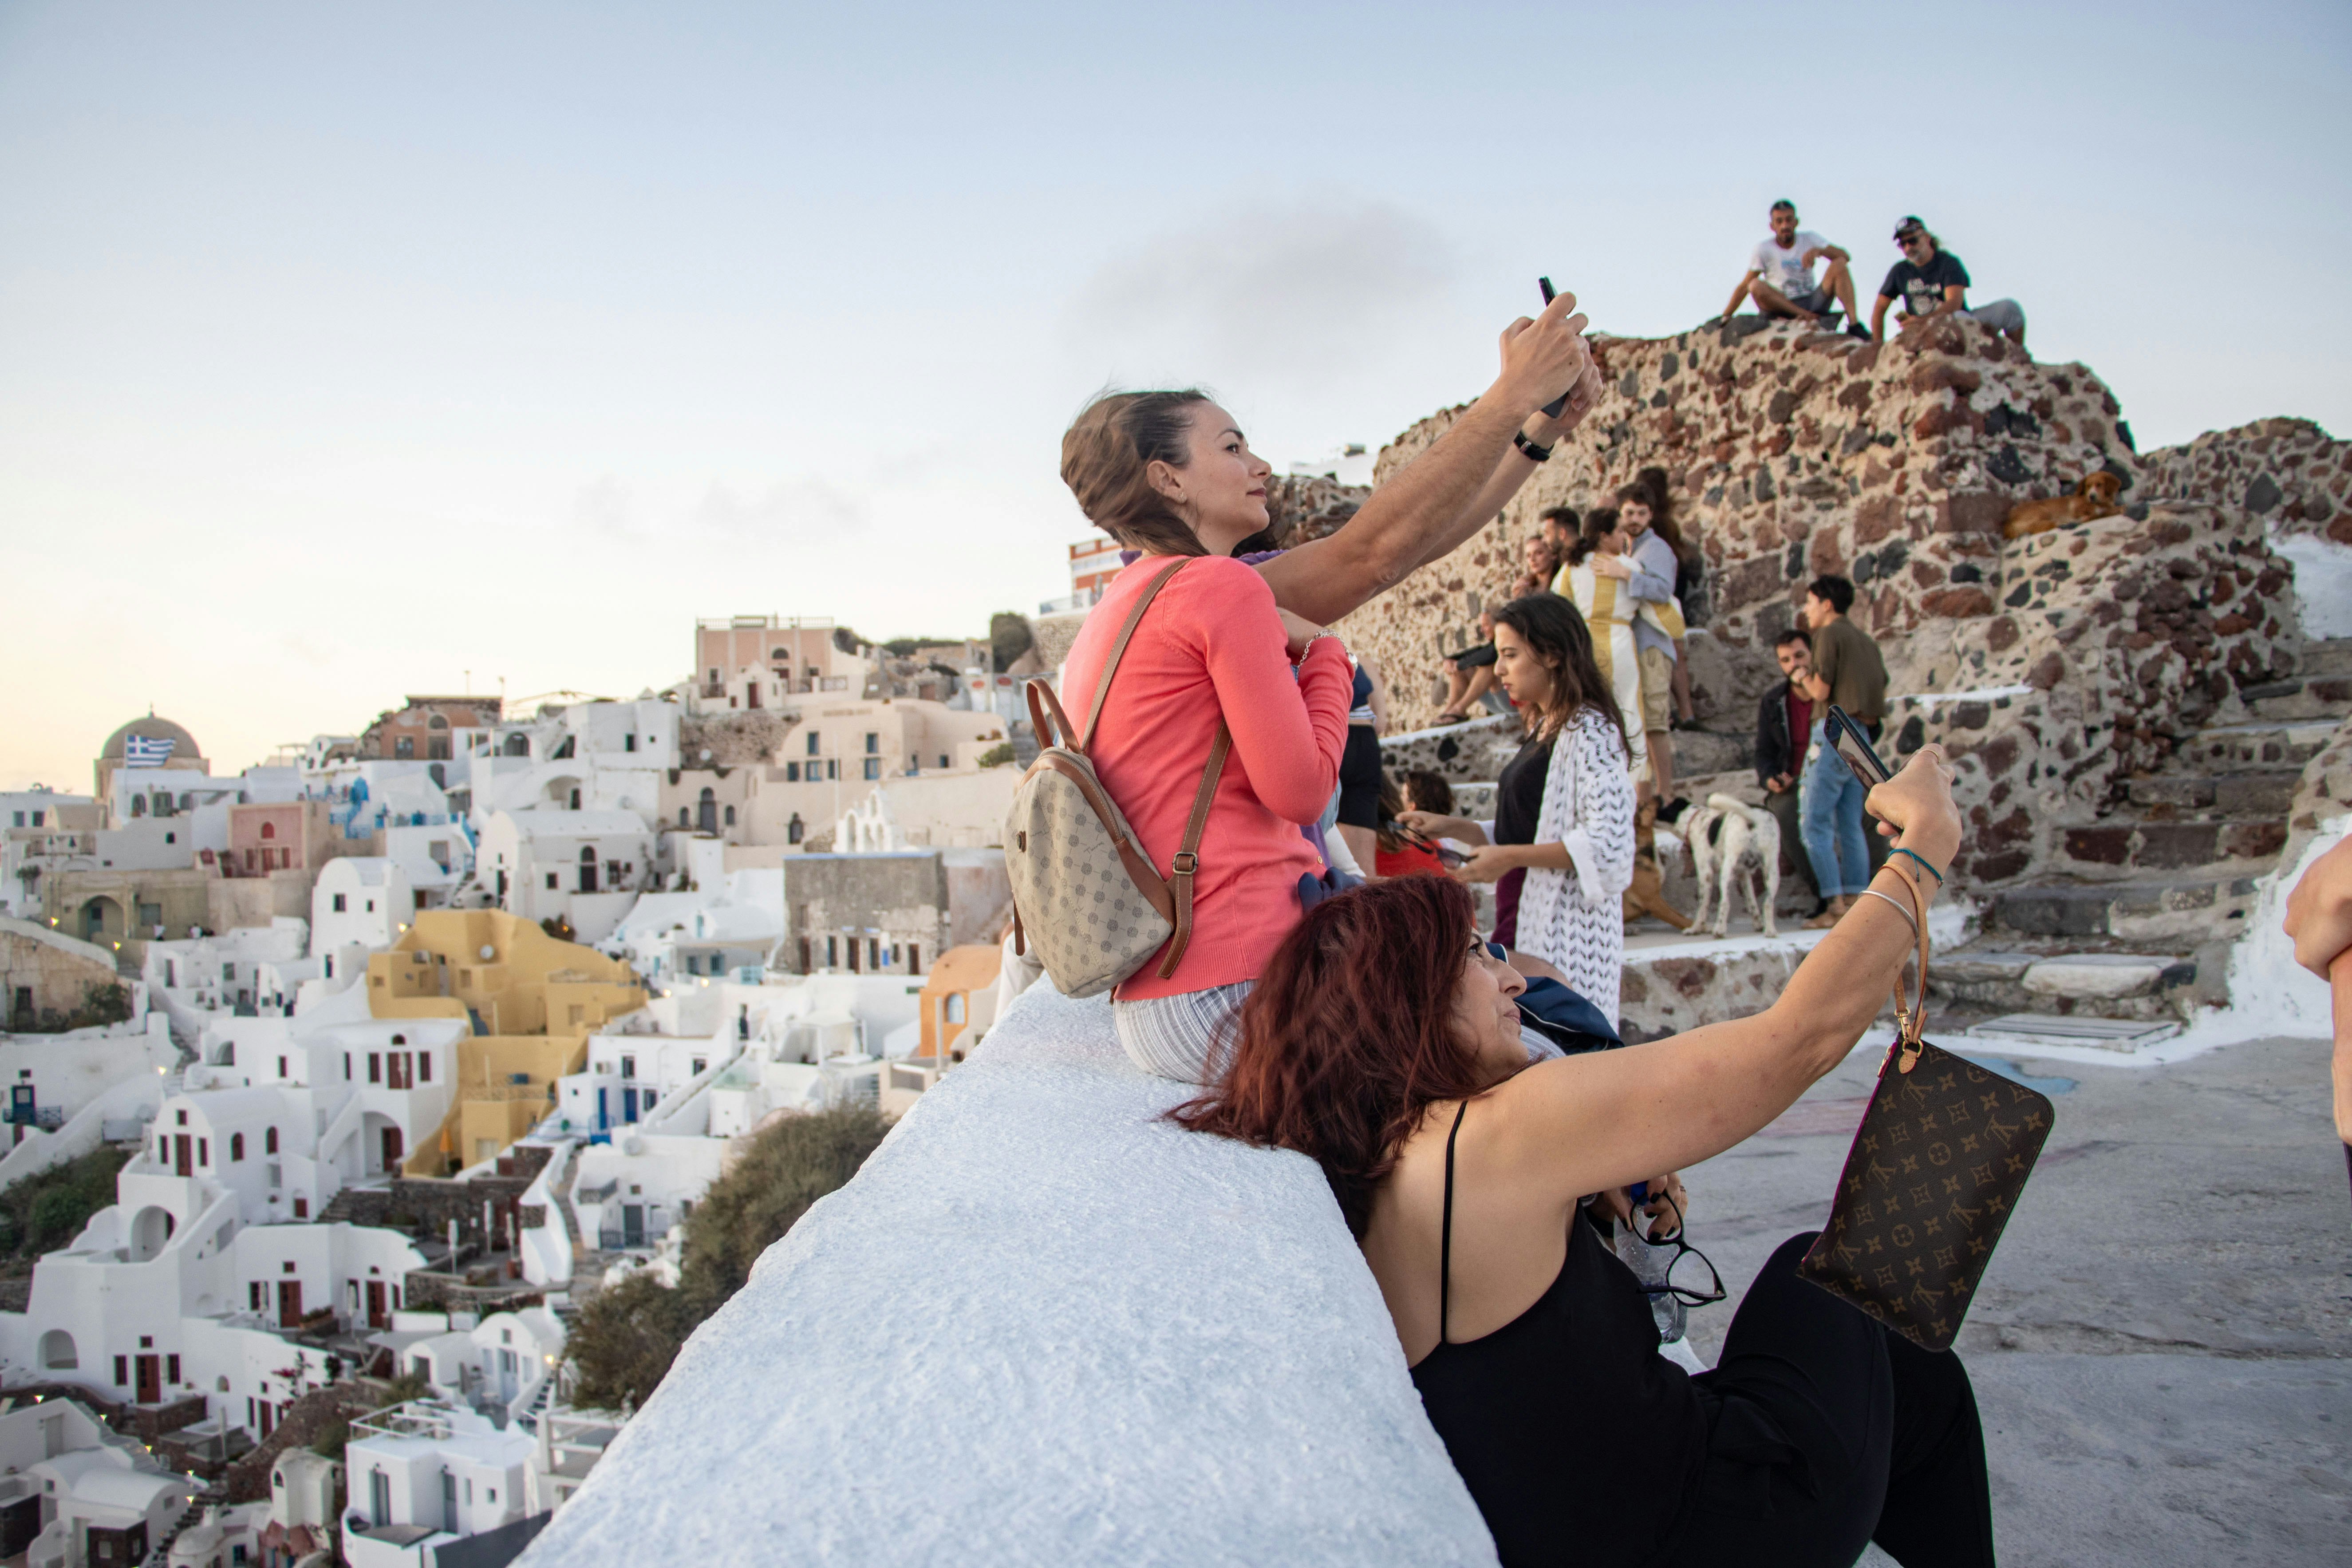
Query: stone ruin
[[2129, 699]]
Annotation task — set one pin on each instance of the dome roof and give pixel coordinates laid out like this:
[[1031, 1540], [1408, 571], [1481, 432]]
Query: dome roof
[[153, 729]]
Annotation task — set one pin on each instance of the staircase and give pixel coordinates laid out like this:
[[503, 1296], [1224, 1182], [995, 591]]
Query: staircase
[[2136, 921]]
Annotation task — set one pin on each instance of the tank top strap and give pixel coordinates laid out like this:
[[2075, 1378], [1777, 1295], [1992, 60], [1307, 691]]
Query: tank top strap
[[1445, 1231]]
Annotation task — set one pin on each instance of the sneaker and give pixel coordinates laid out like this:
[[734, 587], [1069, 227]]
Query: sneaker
[[1856, 329]]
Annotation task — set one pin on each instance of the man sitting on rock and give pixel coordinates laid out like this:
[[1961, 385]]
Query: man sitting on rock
[[1931, 282], [1784, 727], [1780, 274]]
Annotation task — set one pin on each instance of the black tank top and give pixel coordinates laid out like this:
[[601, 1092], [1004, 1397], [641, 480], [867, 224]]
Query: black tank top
[[1580, 1442]]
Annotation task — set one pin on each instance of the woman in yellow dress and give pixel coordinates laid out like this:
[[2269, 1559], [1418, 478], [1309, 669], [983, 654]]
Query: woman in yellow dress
[[1592, 579]]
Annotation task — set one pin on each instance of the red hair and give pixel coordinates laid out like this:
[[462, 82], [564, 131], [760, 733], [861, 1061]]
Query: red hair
[[1348, 1037]]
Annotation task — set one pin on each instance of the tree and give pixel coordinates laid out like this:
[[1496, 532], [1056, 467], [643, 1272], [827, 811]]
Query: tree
[[627, 1336], [1008, 638]]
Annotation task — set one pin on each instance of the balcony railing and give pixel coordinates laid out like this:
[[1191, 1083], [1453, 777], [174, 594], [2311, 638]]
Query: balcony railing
[[1070, 602]]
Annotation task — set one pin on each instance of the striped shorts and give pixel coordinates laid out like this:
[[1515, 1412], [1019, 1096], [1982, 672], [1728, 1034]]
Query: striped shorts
[[1187, 1036]]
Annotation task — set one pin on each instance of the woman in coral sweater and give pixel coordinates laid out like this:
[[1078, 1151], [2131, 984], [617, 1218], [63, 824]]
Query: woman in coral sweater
[[1169, 474]]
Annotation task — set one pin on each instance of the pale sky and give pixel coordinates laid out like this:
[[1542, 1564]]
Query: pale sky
[[347, 350]]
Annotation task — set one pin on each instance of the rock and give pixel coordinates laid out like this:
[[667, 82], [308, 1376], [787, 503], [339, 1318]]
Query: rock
[[2097, 977]]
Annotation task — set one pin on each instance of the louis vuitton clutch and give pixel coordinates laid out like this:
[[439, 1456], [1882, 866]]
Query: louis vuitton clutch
[[1935, 1172]]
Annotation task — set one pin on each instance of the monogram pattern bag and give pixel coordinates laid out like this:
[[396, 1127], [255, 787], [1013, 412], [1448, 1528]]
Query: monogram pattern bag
[[1084, 891], [1935, 1172]]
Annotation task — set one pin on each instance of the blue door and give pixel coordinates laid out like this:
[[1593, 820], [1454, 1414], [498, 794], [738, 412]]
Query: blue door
[[628, 1105], [603, 1109]]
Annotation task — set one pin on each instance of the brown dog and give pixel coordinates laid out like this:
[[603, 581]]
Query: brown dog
[[2095, 496], [1647, 896]]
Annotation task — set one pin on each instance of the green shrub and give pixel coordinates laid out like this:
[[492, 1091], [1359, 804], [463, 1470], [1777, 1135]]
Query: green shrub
[[626, 1338], [46, 1210], [996, 756]]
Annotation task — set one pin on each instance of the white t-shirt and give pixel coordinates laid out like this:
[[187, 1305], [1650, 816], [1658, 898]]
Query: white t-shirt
[[1787, 270]]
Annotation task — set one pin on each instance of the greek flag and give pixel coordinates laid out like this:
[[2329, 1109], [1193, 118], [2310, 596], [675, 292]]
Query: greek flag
[[143, 752]]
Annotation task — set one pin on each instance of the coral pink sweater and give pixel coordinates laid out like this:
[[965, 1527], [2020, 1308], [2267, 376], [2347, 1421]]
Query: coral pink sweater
[[1210, 645]]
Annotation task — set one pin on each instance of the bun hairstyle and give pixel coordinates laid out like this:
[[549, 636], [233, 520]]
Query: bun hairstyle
[[1598, 525], [1106, 456]]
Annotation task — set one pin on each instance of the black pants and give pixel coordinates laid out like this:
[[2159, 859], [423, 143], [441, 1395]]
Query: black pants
[[1360, 779], [1828, 1431], [1794, 861]]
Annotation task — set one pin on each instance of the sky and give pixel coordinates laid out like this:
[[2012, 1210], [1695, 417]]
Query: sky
[[349, 352]]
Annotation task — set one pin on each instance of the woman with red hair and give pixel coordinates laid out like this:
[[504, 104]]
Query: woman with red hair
[[1383, 1042]]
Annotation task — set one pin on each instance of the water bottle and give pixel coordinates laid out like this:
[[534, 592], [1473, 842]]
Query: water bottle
[[1649, 1265]]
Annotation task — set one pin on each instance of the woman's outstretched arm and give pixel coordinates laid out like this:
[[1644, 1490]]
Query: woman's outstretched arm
[[1453, 490], [1588, 1123]]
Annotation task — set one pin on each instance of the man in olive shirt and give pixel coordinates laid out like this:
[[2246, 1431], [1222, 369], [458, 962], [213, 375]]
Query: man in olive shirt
[[1848, 672]]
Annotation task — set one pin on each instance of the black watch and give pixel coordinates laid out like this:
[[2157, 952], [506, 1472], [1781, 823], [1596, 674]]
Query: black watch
[[1535, 453]]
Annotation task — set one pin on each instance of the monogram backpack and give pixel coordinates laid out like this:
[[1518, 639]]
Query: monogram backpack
[[1084, 891]]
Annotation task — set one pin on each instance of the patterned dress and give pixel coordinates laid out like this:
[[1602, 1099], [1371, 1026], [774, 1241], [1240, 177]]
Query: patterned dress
[[1574, 920]]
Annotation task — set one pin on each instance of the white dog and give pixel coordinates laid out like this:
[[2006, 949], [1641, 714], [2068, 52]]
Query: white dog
[[1723, 835]]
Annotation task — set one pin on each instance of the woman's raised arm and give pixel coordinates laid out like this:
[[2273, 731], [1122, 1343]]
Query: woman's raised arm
[[1451, 490], [1588, 1123]]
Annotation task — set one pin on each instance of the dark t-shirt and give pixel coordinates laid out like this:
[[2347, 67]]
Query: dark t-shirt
[[1921, 288], [1519, 792]]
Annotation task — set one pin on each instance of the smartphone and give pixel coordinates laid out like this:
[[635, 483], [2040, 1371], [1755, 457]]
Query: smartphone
[[1551, 409], [1852, 744]]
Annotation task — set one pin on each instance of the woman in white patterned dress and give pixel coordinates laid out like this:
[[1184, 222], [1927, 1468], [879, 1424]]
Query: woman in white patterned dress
[[1563, 827], [1593, 579]]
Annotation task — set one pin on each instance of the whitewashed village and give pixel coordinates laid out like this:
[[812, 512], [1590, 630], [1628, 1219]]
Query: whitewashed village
[[338, 1082]]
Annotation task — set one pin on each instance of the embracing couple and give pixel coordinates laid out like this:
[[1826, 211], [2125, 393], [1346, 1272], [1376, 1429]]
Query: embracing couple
[[1377, 1033]]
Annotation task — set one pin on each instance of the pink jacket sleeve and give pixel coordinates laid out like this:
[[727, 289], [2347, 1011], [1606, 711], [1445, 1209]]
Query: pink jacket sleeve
[[1288, 734]]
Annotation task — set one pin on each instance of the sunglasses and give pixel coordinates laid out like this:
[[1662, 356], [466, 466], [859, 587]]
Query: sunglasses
[[1682, 1283], [1905, 241]]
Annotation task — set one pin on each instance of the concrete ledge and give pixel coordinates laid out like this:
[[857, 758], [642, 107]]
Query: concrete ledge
[[1041, 1326]]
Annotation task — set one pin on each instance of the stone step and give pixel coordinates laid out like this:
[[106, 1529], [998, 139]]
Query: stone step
[[2120, 849], [2262, 747], [2193, 910], [2264, 796], [2300, 699], [2324, 657], [2102, 984]]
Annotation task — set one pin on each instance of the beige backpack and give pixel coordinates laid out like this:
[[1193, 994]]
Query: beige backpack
[[1083, 889]]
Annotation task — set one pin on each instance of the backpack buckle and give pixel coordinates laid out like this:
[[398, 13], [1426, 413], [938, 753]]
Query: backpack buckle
[[1185, 862]]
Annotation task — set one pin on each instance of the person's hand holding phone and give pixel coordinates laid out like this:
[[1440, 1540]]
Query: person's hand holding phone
[[1915, 807], [1542, 355]]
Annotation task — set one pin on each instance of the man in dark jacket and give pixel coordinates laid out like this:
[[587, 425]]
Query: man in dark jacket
[[1784, 724]]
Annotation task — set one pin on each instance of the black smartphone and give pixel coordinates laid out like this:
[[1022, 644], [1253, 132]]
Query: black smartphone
[[1853, 742], [1551, 409]]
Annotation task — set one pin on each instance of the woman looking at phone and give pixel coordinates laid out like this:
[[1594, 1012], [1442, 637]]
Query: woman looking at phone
[[1384, 1044], [1560, 849]]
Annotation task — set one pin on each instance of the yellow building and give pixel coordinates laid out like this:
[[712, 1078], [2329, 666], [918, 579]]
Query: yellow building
[[532, 1002]]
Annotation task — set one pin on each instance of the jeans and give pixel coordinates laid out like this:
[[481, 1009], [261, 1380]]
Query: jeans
[[2001, 315], [1834, 843]]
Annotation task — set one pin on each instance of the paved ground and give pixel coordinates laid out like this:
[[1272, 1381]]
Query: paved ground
[[2162, 1349]]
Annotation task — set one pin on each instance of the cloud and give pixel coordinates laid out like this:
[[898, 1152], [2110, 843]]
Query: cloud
[[609, 507], [1299, 290], [797, 503]]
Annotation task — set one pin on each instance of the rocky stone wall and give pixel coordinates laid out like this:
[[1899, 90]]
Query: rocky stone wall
[[2289, 472], [2056, 667]]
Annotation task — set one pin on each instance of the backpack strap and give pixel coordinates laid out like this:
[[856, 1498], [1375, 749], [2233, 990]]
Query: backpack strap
[[1117, 649], [1188, 858]]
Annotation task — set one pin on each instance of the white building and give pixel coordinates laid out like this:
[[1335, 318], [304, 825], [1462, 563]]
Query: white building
[[585, 866], [361, 900], [196, 980], [427, 1473], [97, 1497], [42, 831], [502, 1366]]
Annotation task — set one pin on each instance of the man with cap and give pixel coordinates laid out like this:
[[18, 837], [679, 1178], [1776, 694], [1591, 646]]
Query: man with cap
[[1931, 282]]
